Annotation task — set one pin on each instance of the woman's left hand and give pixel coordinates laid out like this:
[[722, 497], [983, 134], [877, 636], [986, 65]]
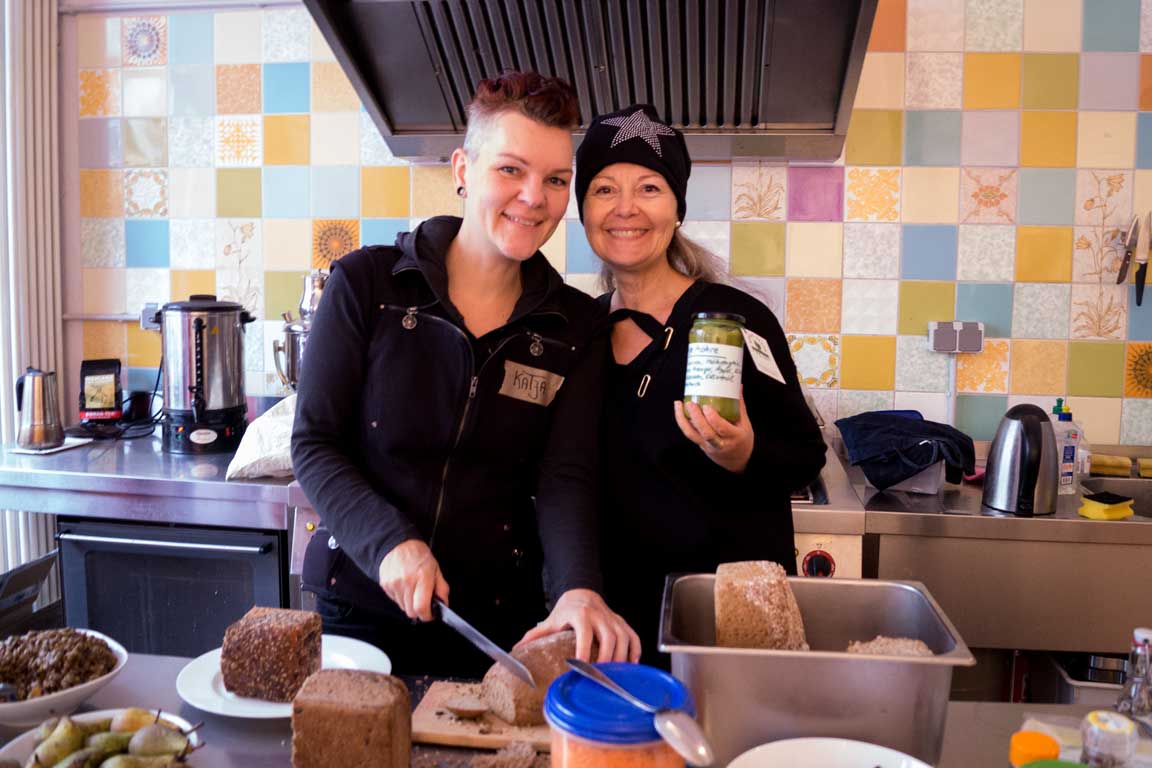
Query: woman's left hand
[[727, 444], [586, 612]]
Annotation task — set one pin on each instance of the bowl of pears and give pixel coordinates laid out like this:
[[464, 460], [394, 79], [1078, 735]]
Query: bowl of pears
[[109, 738]]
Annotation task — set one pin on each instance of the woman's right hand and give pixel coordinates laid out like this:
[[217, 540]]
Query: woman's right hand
[[410, 576]]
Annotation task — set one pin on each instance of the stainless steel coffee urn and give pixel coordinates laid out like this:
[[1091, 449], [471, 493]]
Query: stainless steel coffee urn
[[203, 349], [288, 355]]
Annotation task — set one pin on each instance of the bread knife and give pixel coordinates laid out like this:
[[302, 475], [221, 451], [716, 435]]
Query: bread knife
[[1130, 243], [477, 638]]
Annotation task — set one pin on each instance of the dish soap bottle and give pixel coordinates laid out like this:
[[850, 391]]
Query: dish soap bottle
[[1067, 435]]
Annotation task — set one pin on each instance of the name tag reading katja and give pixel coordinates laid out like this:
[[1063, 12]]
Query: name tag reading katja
[[762, 355], [532, 385]]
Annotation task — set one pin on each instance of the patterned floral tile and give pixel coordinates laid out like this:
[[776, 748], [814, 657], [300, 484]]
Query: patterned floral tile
[[102, 243], [144, 41], [240, 263], [934, 81], [238, 89], [254, 345], [373, 150], [986, 252], [285, 34], [872, 250], [99, 92], [918, 368], [869, 306], [1039, 367], [190, 142], [856, 401], [1040, 310], [994, 25], [1103, 198], [873, 194], [331, 239], [714, 236], [145, 286], [146, 193], [191, 193], [193, 244], [103, 291], [239, 141], [759, 191], [984, 371], [1099, 311], [813, 306], [1138, 370], [935, 25], [817, 359], [988, 195], [1136, 422], [331, 91]]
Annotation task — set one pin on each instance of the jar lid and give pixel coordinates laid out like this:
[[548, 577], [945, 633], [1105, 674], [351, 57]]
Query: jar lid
[[729, 316], [584, 708], [1110, 733], [1029, 746], [1142, 635], [202, 302]]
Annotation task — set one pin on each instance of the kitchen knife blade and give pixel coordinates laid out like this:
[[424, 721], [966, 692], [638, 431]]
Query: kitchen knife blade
[[474, 636], [1130, 241], [1142, 262]]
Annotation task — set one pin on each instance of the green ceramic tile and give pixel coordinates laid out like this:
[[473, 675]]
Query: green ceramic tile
[[238, 193], [1096, 369], [978, 415], [922, 301], [145, 142], [281, 293], [757, 248], [1051, 80], [875, 137]]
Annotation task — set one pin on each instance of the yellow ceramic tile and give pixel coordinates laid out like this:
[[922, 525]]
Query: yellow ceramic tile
[[991, 80], [1048, 139], [1096, 368], [930, 195], [105, 338], [814, 249], [282, 293], [332, 239], [434, 192], [757, 248], [331, 91], [812, 306], [984, 371], [875, 137], [1138, 370], [1099, 417], [868, 362], [143, 347], [97, 41], [385, 192], [286, 140], [101, 194], [556, 249], [238, 89], [99, 92], [287, 244], [1039, 367], [1043, 254], [104, 291], [1106, 140], [1051, 81], [189, 282], [881, 82], [1053, 25], [921, 302], [238, 193]]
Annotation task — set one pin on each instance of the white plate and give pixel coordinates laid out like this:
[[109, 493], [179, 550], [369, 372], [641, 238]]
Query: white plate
[[35, 711], [824, 753], [201, 684], [21, 748]]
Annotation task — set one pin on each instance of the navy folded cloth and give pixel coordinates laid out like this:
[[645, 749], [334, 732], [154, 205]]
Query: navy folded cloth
[[890, 447]]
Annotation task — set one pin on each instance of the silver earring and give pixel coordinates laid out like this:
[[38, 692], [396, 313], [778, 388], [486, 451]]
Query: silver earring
[[461, 192], [678, 224]]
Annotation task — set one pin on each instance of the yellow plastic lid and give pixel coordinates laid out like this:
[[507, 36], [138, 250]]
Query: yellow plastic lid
[[1030, 746]]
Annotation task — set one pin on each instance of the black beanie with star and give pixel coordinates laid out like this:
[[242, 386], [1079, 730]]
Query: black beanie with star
[[635, 134]]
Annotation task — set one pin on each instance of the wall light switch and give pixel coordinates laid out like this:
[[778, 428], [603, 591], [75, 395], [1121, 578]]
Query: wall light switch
[[956, 336]]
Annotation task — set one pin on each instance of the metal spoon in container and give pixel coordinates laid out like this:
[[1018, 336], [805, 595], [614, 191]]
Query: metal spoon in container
[[676, 726]]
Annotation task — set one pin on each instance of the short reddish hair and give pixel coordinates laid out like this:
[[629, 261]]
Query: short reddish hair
[[550, 101]]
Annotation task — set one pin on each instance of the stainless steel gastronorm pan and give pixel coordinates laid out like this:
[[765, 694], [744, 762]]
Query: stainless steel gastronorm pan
[[747, 697]]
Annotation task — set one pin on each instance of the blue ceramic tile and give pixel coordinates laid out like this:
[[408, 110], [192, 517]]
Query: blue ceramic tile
[[142, 379], [190, 38], [579, 256], [1111, 25], [101, 144], [381, 231], [710, 193], [929, 252], [1140, 318], [1047, 196], [146, 243], [192, 91], [286, 192], [988, 303], [336, 191], [978, 415], [1144, 140], [286, 88], [932, 137]]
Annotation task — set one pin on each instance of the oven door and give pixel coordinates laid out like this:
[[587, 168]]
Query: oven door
[[164, 589]]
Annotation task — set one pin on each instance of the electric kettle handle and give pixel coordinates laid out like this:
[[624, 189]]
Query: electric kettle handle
[[20, 387], [1030, 448]]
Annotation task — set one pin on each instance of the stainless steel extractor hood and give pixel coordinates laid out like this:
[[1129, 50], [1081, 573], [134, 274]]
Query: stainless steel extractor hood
[[742, 78]]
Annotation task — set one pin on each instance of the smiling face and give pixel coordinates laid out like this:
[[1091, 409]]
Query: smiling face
[[630, 216], [517, 184]]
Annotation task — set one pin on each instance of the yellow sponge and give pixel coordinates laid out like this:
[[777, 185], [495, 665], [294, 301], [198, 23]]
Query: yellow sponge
[[1106, 506], [1145, 466], [1116, 466]]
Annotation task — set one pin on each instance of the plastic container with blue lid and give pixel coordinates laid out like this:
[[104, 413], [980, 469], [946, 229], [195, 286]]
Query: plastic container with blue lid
[[591, 726]]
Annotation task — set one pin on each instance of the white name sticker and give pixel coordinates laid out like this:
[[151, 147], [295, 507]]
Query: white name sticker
[[762, 355], [713, 371]]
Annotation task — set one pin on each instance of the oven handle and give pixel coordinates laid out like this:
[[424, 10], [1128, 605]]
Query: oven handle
[[165, 544]]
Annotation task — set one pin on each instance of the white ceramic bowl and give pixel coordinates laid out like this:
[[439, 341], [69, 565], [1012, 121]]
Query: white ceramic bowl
[[824, 753], [21, 747], [35, 711]]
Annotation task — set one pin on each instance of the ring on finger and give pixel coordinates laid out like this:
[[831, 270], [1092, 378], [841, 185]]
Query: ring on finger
[[716, 443]]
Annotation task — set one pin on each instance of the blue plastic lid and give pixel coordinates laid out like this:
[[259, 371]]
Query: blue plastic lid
[[583, 708]]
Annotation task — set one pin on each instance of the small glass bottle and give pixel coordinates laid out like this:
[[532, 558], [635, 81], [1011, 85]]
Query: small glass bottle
[[1136, 698], [1109, 740], [715, 363]]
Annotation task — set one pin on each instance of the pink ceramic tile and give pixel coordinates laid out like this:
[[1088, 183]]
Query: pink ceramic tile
[[990, 138], [988, 195], [815, 193], [1109, 80], [935, 25]]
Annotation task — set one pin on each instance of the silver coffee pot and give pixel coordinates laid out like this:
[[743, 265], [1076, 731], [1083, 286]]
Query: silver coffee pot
[[40, 426], [288, 355]]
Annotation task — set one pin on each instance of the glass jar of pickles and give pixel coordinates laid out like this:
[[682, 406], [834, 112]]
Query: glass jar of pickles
[[715, 363]]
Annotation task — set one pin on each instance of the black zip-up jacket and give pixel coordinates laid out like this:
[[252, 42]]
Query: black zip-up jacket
[[409, 427]]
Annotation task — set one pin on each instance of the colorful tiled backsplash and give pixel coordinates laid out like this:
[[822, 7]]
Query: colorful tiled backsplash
[[997, 149]]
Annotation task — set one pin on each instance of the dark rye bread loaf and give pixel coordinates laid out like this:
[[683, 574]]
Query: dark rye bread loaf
[[755, 607], [354, 718], [269, 653], [513, 700]]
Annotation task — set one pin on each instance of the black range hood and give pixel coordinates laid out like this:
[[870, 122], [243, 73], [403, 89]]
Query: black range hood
[[742, 78]]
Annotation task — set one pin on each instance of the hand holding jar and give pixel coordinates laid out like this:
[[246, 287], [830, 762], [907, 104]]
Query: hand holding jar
[[727, 444]]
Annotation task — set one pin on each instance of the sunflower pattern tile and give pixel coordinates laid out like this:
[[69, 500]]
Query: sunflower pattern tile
[[144, 41], [332, 239], [1138, 371]]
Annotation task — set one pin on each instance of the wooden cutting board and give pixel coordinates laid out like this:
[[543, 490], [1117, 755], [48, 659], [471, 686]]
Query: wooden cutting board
[[433, 724]]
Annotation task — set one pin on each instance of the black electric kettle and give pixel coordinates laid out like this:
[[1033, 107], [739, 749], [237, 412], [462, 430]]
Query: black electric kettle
[[40, 414], [1023, 470]]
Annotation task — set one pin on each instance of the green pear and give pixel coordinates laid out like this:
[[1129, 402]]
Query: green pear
[[110, 742], [96, 726], [157, 739], [137, 761], [46, 728], [133, 719], [84, 758], [66, 738]]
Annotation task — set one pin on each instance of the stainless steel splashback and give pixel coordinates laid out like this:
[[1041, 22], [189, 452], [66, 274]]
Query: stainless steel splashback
[[742, 78]]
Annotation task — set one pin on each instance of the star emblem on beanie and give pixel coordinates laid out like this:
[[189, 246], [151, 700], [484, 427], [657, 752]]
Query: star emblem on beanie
[[637, 125]]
